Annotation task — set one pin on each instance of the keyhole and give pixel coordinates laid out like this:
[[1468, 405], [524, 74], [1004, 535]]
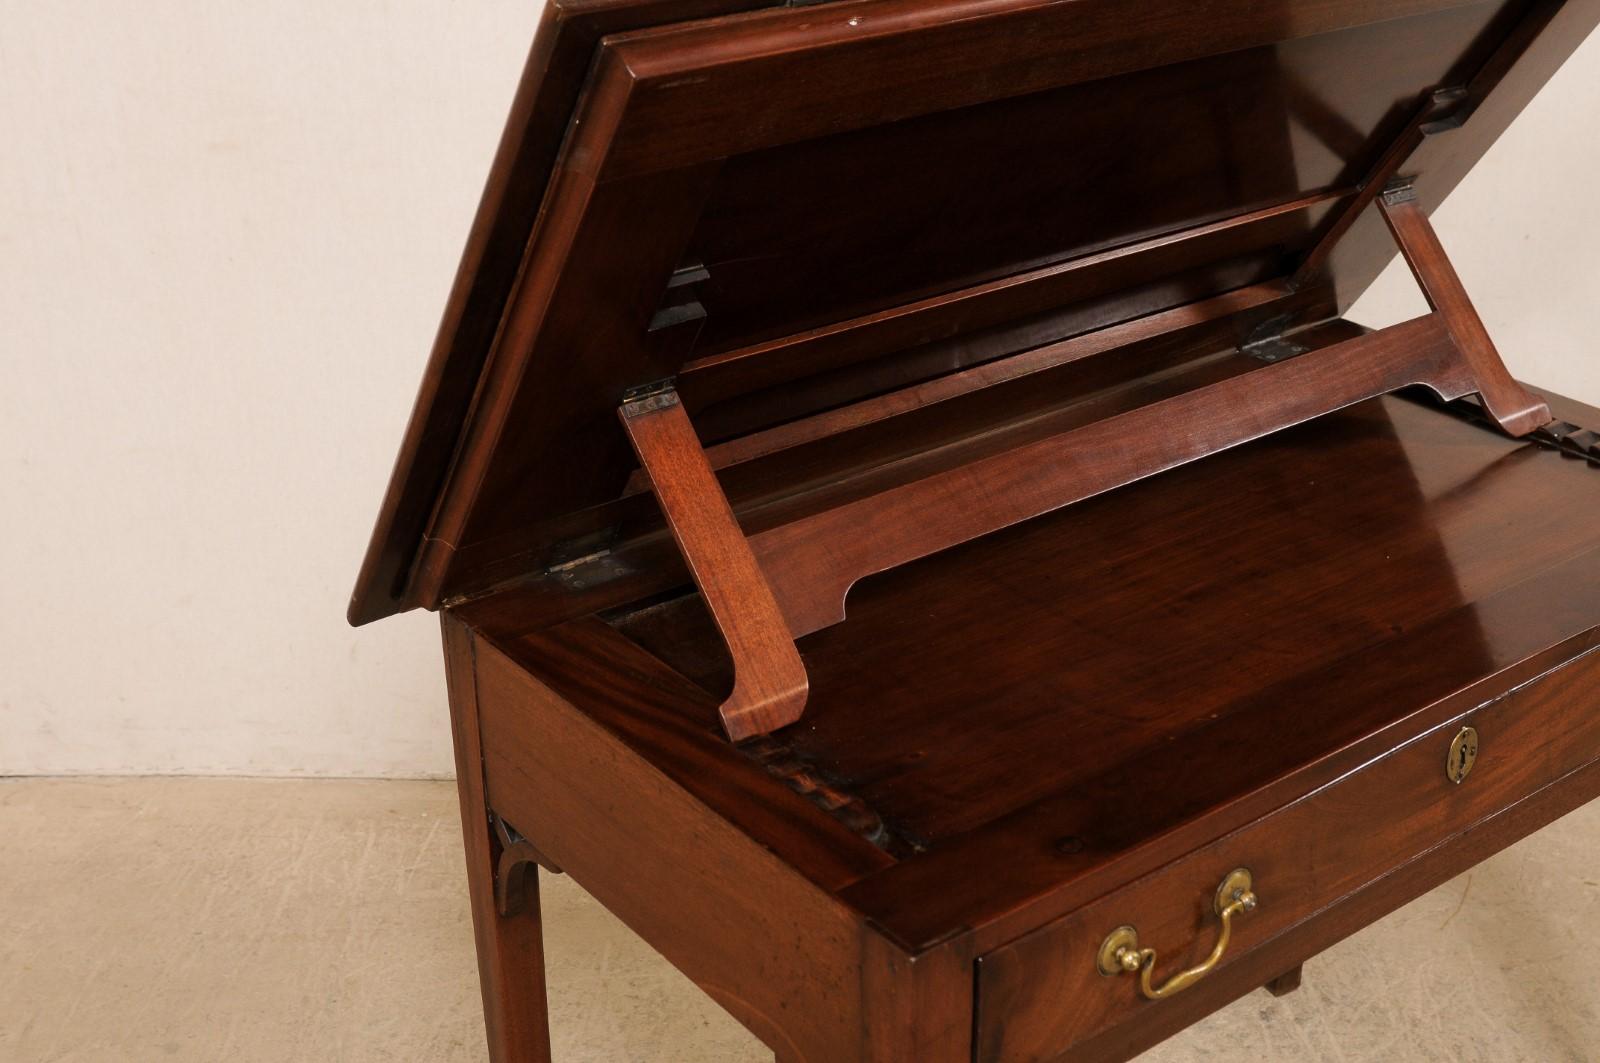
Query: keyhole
[[1463, 753]]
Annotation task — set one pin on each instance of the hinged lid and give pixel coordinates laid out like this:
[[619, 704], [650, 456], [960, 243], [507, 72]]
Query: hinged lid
[[785, 210]]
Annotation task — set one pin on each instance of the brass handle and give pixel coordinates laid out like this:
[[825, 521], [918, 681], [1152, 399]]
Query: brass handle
[[1120, 952]]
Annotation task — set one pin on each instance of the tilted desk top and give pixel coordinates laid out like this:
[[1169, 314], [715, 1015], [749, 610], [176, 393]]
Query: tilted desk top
[[1133, 670], [917, 538]]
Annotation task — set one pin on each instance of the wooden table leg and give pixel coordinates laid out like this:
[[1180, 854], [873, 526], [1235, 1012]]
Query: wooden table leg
[[511, 946], [1285, 983], [918, 1010]]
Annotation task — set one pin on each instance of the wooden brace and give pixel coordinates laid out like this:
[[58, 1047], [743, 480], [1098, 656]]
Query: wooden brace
[[517, 859], [1514, 407], [769, 681], [788, 581]]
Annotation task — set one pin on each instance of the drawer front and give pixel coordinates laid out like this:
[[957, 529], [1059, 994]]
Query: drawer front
[[1043, 994]]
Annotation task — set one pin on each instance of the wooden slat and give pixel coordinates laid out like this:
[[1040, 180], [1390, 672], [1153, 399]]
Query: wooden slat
[[878, 427], [863, 64], [812, 563], [769, 682], [1386, 168], [1220, 320], [1514, 407], [715, 377]]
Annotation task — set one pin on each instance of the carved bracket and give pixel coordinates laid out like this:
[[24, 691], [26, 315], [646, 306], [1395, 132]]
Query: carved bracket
[[518, 859], [1515, 408]]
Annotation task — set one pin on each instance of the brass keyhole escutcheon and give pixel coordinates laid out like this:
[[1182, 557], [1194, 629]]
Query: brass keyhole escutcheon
[[1463, 755]]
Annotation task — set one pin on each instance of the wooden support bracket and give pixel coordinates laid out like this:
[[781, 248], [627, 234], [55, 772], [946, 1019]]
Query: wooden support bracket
[[789, 580], [1514, 407], [517, 860], [813, 561], [769, 680], [1435, 113]]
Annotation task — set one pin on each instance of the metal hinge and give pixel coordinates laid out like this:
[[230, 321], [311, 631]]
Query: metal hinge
[[652, 396], [1268, 343]]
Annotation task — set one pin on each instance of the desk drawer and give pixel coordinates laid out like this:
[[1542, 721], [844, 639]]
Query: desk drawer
[[1043, 994]]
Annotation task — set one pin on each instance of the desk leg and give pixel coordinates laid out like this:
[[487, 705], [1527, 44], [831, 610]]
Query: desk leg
[[917, 1010], [1285, 983], [510, 947]]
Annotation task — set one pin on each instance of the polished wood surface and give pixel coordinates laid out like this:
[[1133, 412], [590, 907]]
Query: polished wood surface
[[1042, 993], [1286, 983], [790, 581], [984, 391], [982, 50], [1516, 409], [1030, 303], [1347, 567], [840, 256], [813, 563], [735, 916], [507, 928], [980, 397], [1080, 721], [815, 463], [791, 578], [552, 80], [769, 682]]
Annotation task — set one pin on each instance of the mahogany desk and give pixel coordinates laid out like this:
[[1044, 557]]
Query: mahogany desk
[[1012, 748], [918, 539]]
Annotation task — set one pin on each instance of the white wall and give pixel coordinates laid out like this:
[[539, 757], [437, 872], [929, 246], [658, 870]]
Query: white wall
[[226, 232], [1524, 232]]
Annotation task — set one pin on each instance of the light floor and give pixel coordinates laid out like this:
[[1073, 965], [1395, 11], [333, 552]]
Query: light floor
[[244, 920]]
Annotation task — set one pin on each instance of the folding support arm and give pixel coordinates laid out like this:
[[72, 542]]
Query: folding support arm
[[790, 580], [769, 680], [816, 559], [1514, 407]]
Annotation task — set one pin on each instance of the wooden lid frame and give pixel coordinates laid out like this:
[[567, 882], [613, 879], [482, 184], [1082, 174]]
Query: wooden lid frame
[[667, 113]]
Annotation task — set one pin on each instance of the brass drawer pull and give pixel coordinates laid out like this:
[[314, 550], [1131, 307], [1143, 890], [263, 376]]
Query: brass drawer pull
[[1120, 953]]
